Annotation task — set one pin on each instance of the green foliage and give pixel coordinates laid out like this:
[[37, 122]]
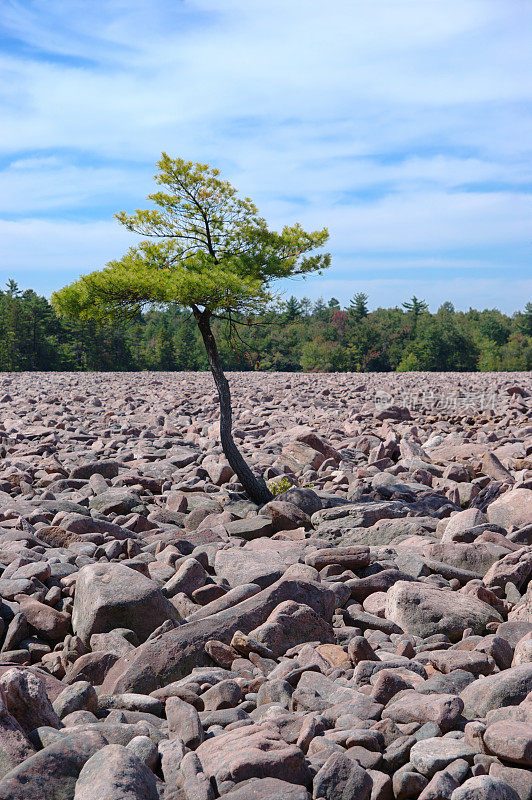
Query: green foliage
[[279, 486], [206, 248], [33, 337], [358, 306]]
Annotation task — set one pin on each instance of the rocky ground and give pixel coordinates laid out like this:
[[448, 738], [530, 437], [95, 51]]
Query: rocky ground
[[367, 635]]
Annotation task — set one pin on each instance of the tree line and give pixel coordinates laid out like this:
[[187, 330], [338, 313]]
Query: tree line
[[299, 335]]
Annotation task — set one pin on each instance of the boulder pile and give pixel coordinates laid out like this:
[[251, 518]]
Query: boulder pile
[[366, 634]]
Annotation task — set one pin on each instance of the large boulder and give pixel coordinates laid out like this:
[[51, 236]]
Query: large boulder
[[512, 508], [254, 751], [110, 596], [172, 655], [53, 771], [15, 747], [506, 688], [291, 624], [115, 773], [425, 611]]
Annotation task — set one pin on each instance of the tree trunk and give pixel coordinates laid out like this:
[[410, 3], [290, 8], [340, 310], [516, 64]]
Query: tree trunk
[[254, 487]]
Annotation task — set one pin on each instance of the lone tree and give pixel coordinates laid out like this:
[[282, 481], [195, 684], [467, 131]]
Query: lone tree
[[207, 249]]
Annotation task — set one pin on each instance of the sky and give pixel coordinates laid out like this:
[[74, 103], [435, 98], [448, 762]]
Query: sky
[[404, 126]]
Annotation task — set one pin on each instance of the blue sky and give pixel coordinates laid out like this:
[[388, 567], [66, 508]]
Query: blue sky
[[402, 125]]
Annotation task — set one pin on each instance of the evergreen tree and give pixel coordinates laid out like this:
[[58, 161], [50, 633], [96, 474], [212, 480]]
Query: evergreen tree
[[292, 309], [209, 250], [358, 306]]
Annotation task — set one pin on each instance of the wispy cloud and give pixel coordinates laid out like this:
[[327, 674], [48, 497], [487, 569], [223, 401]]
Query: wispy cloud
[[404, 125]]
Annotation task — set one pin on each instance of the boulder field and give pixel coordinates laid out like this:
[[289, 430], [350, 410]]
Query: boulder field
[[365, 635]]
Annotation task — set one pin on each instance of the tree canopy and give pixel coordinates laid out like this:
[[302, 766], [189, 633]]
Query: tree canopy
[[204, 247]]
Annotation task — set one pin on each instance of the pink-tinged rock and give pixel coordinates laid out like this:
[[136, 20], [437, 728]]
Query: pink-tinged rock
[[267, 789], [173, 655], [506, 688], [523, 651], [297, 456], [516, 777], [254, 751], [443, 709], [286, 516], [511, 741], [448, 660], [91, 667], [49, 623], [512, 508], [176, 501], [522, 612], [14, 745], [115, 773], [434, 754], [290, 624], [515, 568], [26, 699], [52, 773], [375, 604], [112, 596], [424, 611], [184, 722], [484, 787], [354, 557], [461, 521]]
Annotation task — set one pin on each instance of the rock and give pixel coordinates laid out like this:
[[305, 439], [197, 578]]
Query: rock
[[297, 455], [52, 772], [80, 696], [267, 789], [507, 688], [115, 501], [15, 747], [184, 722], [107, 469], [112, 596], [354, 557], [518, 779], [443, 709], [25, 698], [292, 623], [336, 523], [512, 508], [254, 751], [424, 611], [484, 787], [511, 741], [91, 667], [341, 777], [433, 755], [250, 528], [515, 568], [49, 623], [114, 773], [462, 521], [173, 655]]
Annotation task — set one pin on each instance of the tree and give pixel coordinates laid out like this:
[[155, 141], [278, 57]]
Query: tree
[[209, 250], [526, 319], [358, 306], [416, 308], [292, 309]]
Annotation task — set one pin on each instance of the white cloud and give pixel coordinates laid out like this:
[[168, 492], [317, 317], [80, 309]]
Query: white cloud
[[370, 116]]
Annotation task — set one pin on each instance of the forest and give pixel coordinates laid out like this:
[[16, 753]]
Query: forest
[[298, 335]]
